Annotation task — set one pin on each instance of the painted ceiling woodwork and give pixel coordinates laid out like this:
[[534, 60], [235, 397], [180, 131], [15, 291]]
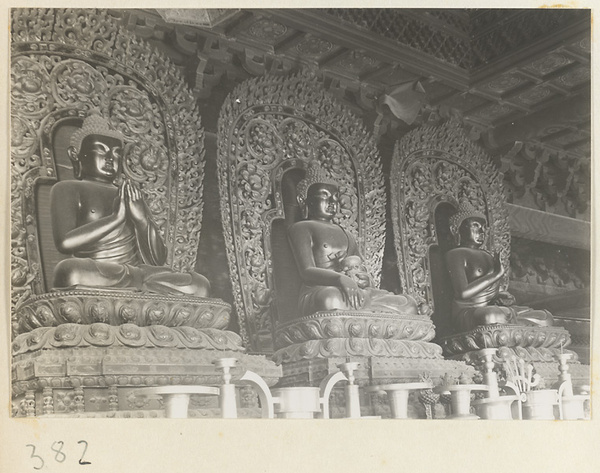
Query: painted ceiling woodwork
[[513, 76]]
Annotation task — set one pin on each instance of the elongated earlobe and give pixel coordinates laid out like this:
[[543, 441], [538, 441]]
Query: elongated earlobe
[[74, 157]]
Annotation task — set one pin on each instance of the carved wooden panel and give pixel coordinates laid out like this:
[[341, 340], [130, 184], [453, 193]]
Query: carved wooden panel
[[67, 63], [267, 126], [437, 164]]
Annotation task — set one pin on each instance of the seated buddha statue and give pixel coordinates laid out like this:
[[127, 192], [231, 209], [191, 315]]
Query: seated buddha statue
[[107, 229], [476, 276], [331, 268]]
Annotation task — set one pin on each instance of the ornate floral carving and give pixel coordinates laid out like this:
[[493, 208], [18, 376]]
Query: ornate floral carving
[[549, 265], [343, 347], [505, 82], [548, 64], [66, 62], [575, 77], [539, 177], [118, 307], [267, 29], [312, 46], [535, 95], [433, 164], [271, 124], [127, 335], [512, 336], [340, 324], [48, 400]]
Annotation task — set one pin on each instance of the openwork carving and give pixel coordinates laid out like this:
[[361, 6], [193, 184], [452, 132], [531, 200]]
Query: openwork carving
[[439, 164], [270, 125], [539, 177], [67, 63]]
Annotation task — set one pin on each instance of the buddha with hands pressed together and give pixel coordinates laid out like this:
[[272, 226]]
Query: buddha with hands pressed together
[[476, 276], [108, 229], [328, 259]]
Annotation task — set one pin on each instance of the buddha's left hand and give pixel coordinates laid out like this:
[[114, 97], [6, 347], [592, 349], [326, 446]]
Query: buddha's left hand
[[135, 204]]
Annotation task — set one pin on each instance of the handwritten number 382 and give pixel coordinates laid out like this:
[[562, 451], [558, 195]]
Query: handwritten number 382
[[59, 455]]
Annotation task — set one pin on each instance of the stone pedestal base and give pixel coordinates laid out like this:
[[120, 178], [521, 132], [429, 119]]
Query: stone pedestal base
[[374, 371], [78, 375]]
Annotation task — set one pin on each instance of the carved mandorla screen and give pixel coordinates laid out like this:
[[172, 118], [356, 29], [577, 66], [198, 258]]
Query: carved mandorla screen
[[268, 125], [437, 164], [67, 63]]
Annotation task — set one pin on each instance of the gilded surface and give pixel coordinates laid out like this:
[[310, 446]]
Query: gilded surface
[[75, 61], [433, 164], [266, 126]]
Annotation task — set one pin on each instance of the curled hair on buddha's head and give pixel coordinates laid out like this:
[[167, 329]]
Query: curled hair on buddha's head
[[315, 174], [93, 125], [465, 211]]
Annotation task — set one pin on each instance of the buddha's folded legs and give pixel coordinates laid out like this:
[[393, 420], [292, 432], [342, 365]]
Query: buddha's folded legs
[[324, 298], [87, 272], [471, 317]]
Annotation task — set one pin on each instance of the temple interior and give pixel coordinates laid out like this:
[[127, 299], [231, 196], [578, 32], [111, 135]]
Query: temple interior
[[418, 120]]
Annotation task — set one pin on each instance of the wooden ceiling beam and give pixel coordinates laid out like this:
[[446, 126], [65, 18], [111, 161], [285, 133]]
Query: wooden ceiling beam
[[316, 23]]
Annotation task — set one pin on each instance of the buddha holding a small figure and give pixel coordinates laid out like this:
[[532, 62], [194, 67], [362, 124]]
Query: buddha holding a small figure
[[327, 256]]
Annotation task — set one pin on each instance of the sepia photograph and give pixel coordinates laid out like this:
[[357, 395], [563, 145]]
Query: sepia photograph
[[353, 216]]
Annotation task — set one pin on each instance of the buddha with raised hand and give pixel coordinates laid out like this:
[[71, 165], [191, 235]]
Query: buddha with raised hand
[[476, 276], [107, 229], [329, 262]]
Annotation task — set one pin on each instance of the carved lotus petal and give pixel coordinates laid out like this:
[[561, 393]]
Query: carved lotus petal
[[297, 334], [207, 315], [156, 315], [333, 329], [34, 339], [356, 344], [161, 333], [391, 330], [355, 329], [100, 331], [44, 315], [374, 330], [65, 332], [313, 331], [70, 311], [99, 312], [130, 332], [127, 313]]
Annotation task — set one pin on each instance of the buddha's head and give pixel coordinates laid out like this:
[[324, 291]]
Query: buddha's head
[[318, 194], [95, 150], [469, 226]]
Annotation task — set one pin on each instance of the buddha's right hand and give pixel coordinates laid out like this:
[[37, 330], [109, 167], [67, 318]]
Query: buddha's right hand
[[353, 296]]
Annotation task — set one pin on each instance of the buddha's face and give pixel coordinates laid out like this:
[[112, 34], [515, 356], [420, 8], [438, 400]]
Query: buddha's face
[[322, 201], [351, 263], [472, 232], [100, 158]]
